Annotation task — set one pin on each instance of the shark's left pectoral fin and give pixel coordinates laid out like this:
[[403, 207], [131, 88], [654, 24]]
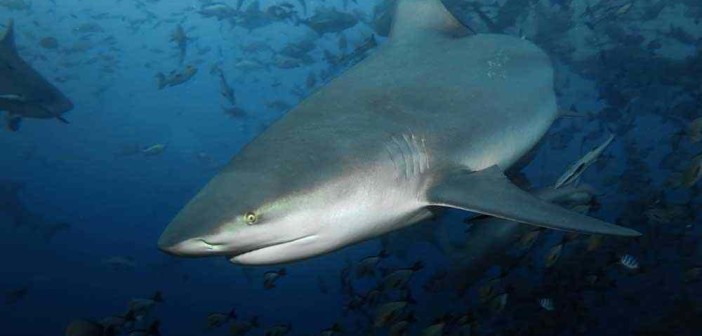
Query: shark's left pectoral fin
[[489, 192]]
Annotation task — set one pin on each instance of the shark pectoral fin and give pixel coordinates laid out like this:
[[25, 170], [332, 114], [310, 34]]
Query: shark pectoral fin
[[489, 192], [62, 119]]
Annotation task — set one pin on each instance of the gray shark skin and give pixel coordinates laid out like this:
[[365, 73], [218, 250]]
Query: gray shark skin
[[24, 93], [432, 118]]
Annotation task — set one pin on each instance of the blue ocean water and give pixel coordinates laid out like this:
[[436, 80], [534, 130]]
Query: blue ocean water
[[628, 68]]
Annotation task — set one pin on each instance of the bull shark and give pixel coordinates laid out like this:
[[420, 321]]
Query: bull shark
[[24, 93], [431, 119]]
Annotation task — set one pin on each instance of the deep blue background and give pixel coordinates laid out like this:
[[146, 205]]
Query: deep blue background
[[118, 205]]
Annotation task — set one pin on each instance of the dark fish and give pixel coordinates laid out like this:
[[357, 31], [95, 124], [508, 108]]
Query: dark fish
[[389, 313], [242, 327], [271, 277], [329, 20], [366, 267], [553, 255], [181, 40], [399, 278], [278, 330], [141, 307], [335, 329], [235, 112], [176, 78], [152, 330], [84, 328], [49, 43], [216, 320], [16, 295], [498, 303]]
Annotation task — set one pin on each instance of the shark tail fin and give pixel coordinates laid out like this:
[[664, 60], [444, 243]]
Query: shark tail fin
[[489, 192], [415, 19]]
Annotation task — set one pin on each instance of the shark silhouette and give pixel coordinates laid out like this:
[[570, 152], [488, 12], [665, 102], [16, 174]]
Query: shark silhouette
[[432, 118], [24, 93], [12, 208]]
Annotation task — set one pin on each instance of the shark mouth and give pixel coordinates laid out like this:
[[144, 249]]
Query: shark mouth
[[274, 253]]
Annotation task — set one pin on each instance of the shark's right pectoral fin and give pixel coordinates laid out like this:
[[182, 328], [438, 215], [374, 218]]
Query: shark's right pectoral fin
[[489, 192]]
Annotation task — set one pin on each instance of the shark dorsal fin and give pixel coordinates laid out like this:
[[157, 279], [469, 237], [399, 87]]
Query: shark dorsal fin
[[8, 40], [417, 19]]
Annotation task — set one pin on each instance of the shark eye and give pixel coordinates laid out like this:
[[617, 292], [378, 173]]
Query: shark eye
[[251, 218]]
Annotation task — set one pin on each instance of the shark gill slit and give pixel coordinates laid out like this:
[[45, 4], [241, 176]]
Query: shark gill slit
[[409, 155], [388, 148], [412, 155], [425, 154], [402, 169]]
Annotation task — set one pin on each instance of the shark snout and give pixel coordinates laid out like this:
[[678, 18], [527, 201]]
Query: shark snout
[[178, 243]]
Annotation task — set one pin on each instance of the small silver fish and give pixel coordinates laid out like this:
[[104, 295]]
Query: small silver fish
[[553, 255], [270, 278], [572, 175], [153, 150]]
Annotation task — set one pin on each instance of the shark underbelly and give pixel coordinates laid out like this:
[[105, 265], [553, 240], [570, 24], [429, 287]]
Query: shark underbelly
[[384, 198]]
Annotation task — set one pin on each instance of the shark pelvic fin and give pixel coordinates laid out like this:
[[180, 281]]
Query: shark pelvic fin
[[415, 19], [489, 192], [8, 39]]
